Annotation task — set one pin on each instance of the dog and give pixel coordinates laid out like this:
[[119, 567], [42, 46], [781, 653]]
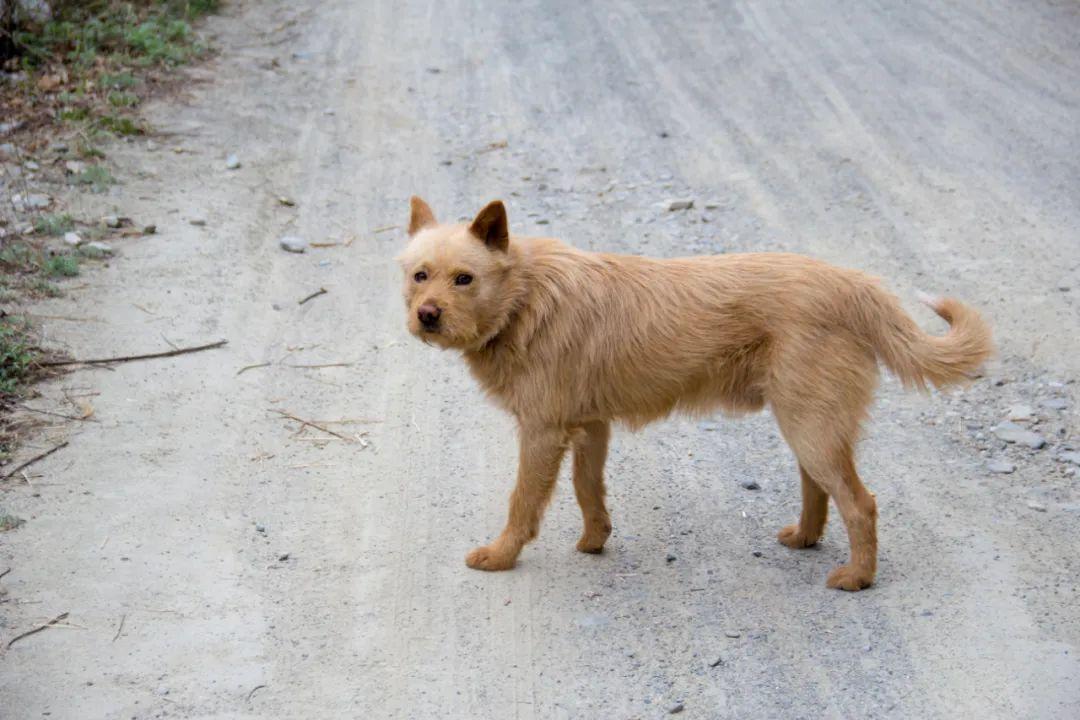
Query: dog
[[570, 342]]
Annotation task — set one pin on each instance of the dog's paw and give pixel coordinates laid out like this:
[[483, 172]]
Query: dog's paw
[[848, 578], [594, 545], [486, 558], [794, 538]]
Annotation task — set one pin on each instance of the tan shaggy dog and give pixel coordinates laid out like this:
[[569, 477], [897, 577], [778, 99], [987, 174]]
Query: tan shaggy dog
[[571, 341]]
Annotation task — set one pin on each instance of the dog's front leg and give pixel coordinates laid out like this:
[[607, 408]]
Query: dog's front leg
[[542, 450]]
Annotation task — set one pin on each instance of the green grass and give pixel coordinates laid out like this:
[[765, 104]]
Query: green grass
[[44, 288], [97, 176], [9, 522], [61, 266], [123, 99], [17, 356], [54, 224]]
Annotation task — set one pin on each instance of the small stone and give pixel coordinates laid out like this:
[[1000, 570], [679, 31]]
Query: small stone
[[163, 691], [717, 662], [293, 243], [111, 221], [1055, 403], [260, 528], [99, 247], [198, 222], [1021, 412], [232, 162], [671, 558], [59, 148], [750, 485], [675, 708], [1012, 433], [74, 167], [34, 201], [7, 150], [149, 229], [1001, 466], [283, 557], [72, 239], [328, 111], [756, 553], [286, 201], [31, 165], [1036, 506], [684, 204], [732, 634]]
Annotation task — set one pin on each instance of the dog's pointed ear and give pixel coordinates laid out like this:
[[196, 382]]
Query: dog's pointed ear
[[491, 227], [420, 215]]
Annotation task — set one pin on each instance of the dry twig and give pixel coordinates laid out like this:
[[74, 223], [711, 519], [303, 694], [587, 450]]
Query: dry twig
[[309, 423], [39, 628], [317, 293], [129, 358], [34, 459]]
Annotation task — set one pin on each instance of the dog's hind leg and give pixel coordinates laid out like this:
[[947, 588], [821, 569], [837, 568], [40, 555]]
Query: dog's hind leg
[[590, 444], [815, 512], [542, 450], [819, 392]]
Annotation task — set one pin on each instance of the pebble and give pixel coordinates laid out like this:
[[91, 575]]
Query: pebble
[[72, 239], [98, 246], [750, 485], [732, 634], [293, 243], [717, 662], [1021, 412], [283, 557], [74, 166], [232, 162], [675, 708], [1000, 466], [683, 204], [1055, 403], [1012, 433], [1036, 506], [7, 150], [163, 691], [286, 201], [111, 221], [756, 553], [149, 229], [198, 222], [671, 558], [1070, 457], [31, 165], [260, 528], [35, 201]]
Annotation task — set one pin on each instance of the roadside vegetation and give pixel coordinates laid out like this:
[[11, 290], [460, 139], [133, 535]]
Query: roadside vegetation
[[73, 75]]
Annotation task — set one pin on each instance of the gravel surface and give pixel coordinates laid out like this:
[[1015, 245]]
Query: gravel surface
[[215, 563]]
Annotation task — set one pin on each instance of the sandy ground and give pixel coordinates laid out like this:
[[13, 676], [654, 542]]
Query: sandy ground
[[935, 145]]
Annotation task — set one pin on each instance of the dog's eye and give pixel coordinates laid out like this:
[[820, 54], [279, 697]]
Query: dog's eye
[[463, 279], [420, 276]]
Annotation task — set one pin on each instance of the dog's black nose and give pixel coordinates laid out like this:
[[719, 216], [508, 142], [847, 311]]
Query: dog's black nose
[[428, 315]]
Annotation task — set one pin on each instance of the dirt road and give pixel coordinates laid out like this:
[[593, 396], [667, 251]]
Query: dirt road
[[216, 564]]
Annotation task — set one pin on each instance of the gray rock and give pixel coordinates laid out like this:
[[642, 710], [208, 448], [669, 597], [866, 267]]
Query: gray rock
[[293, 243], [198, 222], [1000, 466], [72, 239], [1036, 506], [163, 691], [1070, 457], [671, 558], [111, 221], [232, 162], [732, 634], [74, 167], [283, 557], [7, 150], [33, 201], [1021, 412], [149, 229], [100, 247], [683, 204], [1055, 403], [675, 708], [717, 662], [31, 165], [1012, 433], [750, 485], [260, 528]]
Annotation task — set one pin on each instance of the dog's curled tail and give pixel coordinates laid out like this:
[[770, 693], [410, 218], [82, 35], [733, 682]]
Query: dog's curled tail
[[916, 357]]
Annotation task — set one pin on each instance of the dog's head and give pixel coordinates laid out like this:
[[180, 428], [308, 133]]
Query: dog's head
[[458, 278]]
